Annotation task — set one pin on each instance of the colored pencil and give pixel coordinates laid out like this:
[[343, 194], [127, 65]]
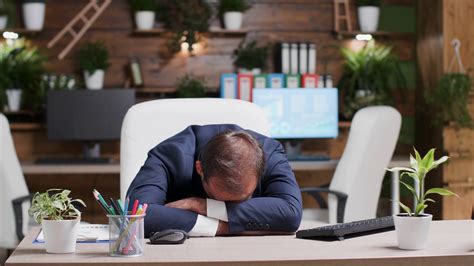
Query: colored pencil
[[135, 207]]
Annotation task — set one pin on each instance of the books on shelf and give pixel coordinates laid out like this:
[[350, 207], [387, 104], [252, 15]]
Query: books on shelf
[[295, 58], [245, 86], [229, 86]]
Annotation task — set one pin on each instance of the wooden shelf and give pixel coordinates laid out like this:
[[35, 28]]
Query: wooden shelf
[[213, 32], [26, 126], [22, 31], [154, 90], [386, 34], [345, 124], [20, 112]]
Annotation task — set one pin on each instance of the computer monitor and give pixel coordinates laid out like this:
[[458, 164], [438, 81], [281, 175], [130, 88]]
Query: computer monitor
[[87, 115], [300, 113]]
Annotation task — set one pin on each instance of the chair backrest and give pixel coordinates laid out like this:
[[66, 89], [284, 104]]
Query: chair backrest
[[12, 185], [372, 138], [147, 124]]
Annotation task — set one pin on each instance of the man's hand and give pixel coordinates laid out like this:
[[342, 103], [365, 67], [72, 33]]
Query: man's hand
[[197, 205]]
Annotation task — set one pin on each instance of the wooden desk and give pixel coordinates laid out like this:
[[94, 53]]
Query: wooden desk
[[450, 243]]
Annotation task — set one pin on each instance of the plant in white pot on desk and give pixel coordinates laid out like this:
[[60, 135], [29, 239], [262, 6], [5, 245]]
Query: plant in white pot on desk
[[412, 227], [231, 12], [368, 12], [33, 14], [59, 219], [94, 60], [144, 13]]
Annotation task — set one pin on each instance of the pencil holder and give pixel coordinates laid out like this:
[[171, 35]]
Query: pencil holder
[[126, 234]]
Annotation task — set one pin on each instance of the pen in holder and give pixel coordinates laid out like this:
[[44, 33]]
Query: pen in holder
[[126, 234]]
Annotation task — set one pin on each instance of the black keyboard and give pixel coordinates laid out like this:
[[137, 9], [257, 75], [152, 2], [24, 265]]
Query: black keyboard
[[312, 157], [348, 230]]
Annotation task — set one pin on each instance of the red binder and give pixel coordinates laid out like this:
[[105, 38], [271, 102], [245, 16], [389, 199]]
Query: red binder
[[245, 86], [310, 81]]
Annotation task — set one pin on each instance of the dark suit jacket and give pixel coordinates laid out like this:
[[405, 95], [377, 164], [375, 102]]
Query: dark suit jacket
[[169, 174]]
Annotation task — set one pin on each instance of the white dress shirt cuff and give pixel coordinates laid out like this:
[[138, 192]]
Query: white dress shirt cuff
[[217, 209], [204, 226]]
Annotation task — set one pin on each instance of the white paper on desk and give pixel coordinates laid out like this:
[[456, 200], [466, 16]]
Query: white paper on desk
[[88, 233]]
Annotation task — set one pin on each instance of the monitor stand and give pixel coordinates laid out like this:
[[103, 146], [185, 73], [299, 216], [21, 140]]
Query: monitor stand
[[293, 152], [91, 152]]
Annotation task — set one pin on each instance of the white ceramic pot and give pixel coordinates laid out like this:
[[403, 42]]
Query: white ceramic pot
[[14, 99], [33, 15], [3, 22], [60, 235], [233, 20], [144, 20], [368, 18], [412, 232], [94, 81]]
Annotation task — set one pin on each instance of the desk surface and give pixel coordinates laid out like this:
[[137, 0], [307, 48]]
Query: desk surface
[[30, 168], [450, 243]]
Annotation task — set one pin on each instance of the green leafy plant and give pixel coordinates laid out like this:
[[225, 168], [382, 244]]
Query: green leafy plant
[[368, 2], [251, 56], [190, 87], [186, 19], [93, 56], [21, 67], [232, 6], [420, 167], [450, 99], [54, 204], [369, 77], [143, 5]]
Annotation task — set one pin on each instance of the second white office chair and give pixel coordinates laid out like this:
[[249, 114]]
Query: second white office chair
[[147, 124], [13, 191], [355, 187]]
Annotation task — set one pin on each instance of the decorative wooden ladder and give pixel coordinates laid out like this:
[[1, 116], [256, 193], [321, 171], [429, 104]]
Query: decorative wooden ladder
[[344, 17], [97, 7]]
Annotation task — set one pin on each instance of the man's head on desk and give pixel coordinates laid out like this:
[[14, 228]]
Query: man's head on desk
[[231, 165]]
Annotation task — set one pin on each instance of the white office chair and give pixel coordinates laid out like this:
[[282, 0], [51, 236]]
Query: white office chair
[[355, 187], [13, 191], [147, 124]]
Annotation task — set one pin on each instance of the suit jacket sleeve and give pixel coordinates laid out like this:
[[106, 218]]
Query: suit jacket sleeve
[[151, 185], [279, 208]]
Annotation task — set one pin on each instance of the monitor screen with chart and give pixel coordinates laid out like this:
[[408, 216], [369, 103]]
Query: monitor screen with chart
[[300, 113]]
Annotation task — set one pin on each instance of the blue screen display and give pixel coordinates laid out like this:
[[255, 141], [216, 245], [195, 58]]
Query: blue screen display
[[300, 113]]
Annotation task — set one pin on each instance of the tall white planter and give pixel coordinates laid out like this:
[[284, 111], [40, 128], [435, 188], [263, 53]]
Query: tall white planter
[[368, 18], [144, 20], [233, 20], [14, 99], [94, 81], [412, 232], [33, 15], [60, 235], [3, 22]]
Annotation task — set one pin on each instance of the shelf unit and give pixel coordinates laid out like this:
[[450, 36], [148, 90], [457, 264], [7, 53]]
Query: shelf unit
[[213, 32], [22, 31], [382, 34]]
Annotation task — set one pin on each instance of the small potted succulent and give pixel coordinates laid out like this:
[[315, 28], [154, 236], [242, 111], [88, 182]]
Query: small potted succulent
[[93, 60], [190, 87], [33, 14], [144, 12], [59, 219], [231, 12], [412, 227], [368, 12], [251, 58]]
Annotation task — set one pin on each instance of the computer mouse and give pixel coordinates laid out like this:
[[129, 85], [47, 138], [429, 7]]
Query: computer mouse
[[168, 237]]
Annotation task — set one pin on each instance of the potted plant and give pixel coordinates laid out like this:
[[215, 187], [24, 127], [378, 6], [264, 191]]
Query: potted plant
[[93, 60], [450, 98], [21, 69], [144, 12], [251, 58], [231, 11], [187, 20], [368, 12], [412, 227], [59, 219], [369, 77], [190, 87], [33, 14]]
